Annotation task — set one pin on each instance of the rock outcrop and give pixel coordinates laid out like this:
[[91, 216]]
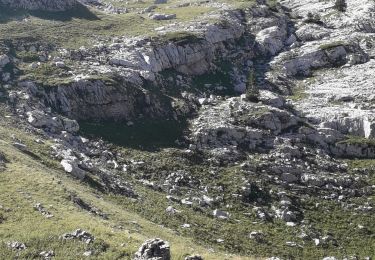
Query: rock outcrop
[[153, 249]]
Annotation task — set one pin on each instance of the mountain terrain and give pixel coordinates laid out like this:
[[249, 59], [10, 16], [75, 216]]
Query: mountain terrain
[[187, 129]]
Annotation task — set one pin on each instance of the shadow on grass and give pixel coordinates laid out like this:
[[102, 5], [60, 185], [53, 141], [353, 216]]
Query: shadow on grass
[[80, 11], [150, 135]]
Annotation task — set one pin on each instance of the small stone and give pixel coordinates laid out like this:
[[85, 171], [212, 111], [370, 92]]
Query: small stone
[[16, 245], [185, 225], [257, 236], [289, 178], [39, 207], [291, 244], [47, 254], [80, 235], [220, 214], [163, 16], [171, 210], [60, 64], [194, 257], [20, 146]]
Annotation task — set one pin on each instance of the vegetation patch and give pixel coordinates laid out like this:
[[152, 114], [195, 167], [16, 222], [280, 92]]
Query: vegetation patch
[[47, 74], [357, 140], [27, 56], [83, 26], [217, 81], [142, 134], [298, 93], [178, 37]]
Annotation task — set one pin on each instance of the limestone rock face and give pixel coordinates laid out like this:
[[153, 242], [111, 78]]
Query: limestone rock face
[[192, 56], [46, 5], [311, 32], [272, 39], [81, 101], [238, 122]]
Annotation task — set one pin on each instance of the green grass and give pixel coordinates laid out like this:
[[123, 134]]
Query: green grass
[[83, 27], [51, 187], [47, 74], [27, 181], [27, 57], [298, 94], [329, 218]]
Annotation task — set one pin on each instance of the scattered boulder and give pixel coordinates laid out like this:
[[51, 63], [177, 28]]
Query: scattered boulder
[[15, 245], [288, 216], [220, 214], [258, 236], [20, 146], [40, 119], [79, 234], [289, 177], [60, 64], [154, 249], [71, 166], [4, 60], [271, 40], [47, 255], [269, 98], [39, 207], [170, 210], [85, 206], [70, 125], [149, 9], [163, 16], [194, 257]]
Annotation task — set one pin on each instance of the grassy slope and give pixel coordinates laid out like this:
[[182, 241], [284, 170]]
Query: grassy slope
[[27, 181], [50, 186], [83, 26]]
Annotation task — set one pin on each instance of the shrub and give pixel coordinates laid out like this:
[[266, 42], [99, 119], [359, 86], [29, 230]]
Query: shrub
[[252, 90], [341, 5], [313, 18], [28, 56]]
